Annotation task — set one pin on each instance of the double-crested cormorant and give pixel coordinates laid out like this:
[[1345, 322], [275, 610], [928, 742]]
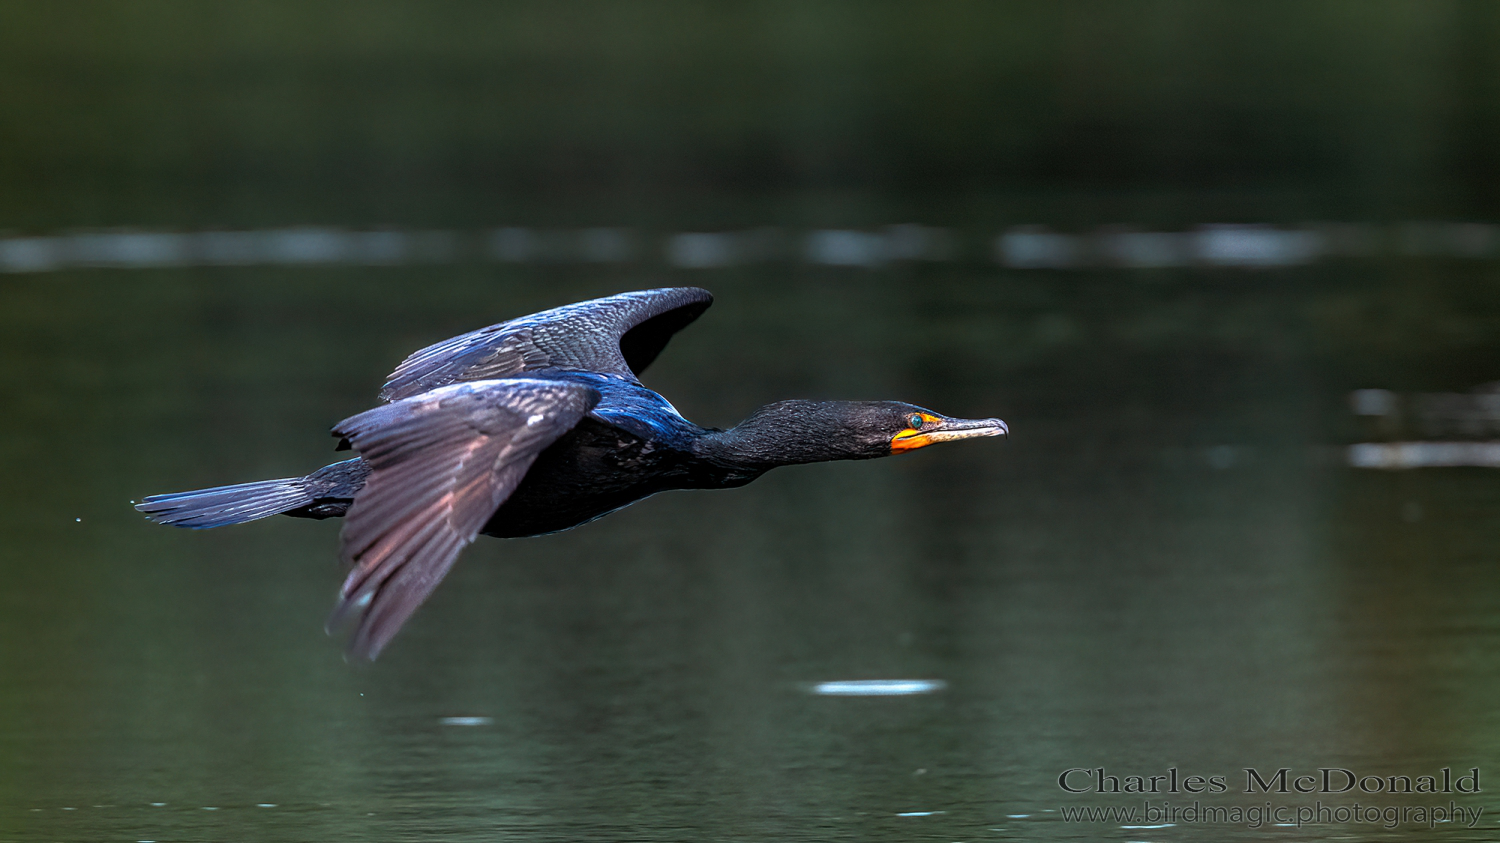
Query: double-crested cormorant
[[533, 426]]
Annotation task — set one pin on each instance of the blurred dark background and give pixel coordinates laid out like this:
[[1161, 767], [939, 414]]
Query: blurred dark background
[[1158, 113]]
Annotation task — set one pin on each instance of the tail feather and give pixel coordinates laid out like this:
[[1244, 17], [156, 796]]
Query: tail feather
[[225, 505]]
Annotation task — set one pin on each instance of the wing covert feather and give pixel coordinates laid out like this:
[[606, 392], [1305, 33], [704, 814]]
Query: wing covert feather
[[441, 464], [617, 335]]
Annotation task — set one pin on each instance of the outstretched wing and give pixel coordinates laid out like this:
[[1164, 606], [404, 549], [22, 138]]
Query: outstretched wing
[[618, 335], [441, 464]]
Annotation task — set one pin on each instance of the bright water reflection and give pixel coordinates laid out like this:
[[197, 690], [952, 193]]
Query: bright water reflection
[[878, 687], [1022, 247]]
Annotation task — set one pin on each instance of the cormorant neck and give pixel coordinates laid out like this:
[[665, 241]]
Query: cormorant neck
[[789, 433]]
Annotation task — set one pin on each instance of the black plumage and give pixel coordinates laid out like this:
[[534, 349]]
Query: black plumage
[[528, 427]]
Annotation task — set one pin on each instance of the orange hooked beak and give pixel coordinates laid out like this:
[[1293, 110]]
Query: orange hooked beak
[[941, 429]]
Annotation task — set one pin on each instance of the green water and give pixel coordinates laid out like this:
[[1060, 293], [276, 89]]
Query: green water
[[1094, 591], [1168, 565]]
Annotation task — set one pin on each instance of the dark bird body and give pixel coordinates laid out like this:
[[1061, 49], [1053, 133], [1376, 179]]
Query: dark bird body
[[529, 427]]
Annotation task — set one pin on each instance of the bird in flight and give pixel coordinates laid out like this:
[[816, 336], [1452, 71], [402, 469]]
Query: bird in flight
[[529, 427]]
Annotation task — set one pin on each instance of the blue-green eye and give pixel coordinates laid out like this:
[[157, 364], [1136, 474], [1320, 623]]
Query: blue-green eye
[[915, 421]]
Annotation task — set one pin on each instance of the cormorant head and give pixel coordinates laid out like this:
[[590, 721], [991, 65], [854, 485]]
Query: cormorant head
[[920, 428], [894, 427], [788, 432]]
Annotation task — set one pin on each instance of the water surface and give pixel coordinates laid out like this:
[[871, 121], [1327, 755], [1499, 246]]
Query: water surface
[[1167, 566]]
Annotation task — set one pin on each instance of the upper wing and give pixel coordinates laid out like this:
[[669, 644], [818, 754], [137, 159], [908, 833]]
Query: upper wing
[[441, 464], [616, 335]]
